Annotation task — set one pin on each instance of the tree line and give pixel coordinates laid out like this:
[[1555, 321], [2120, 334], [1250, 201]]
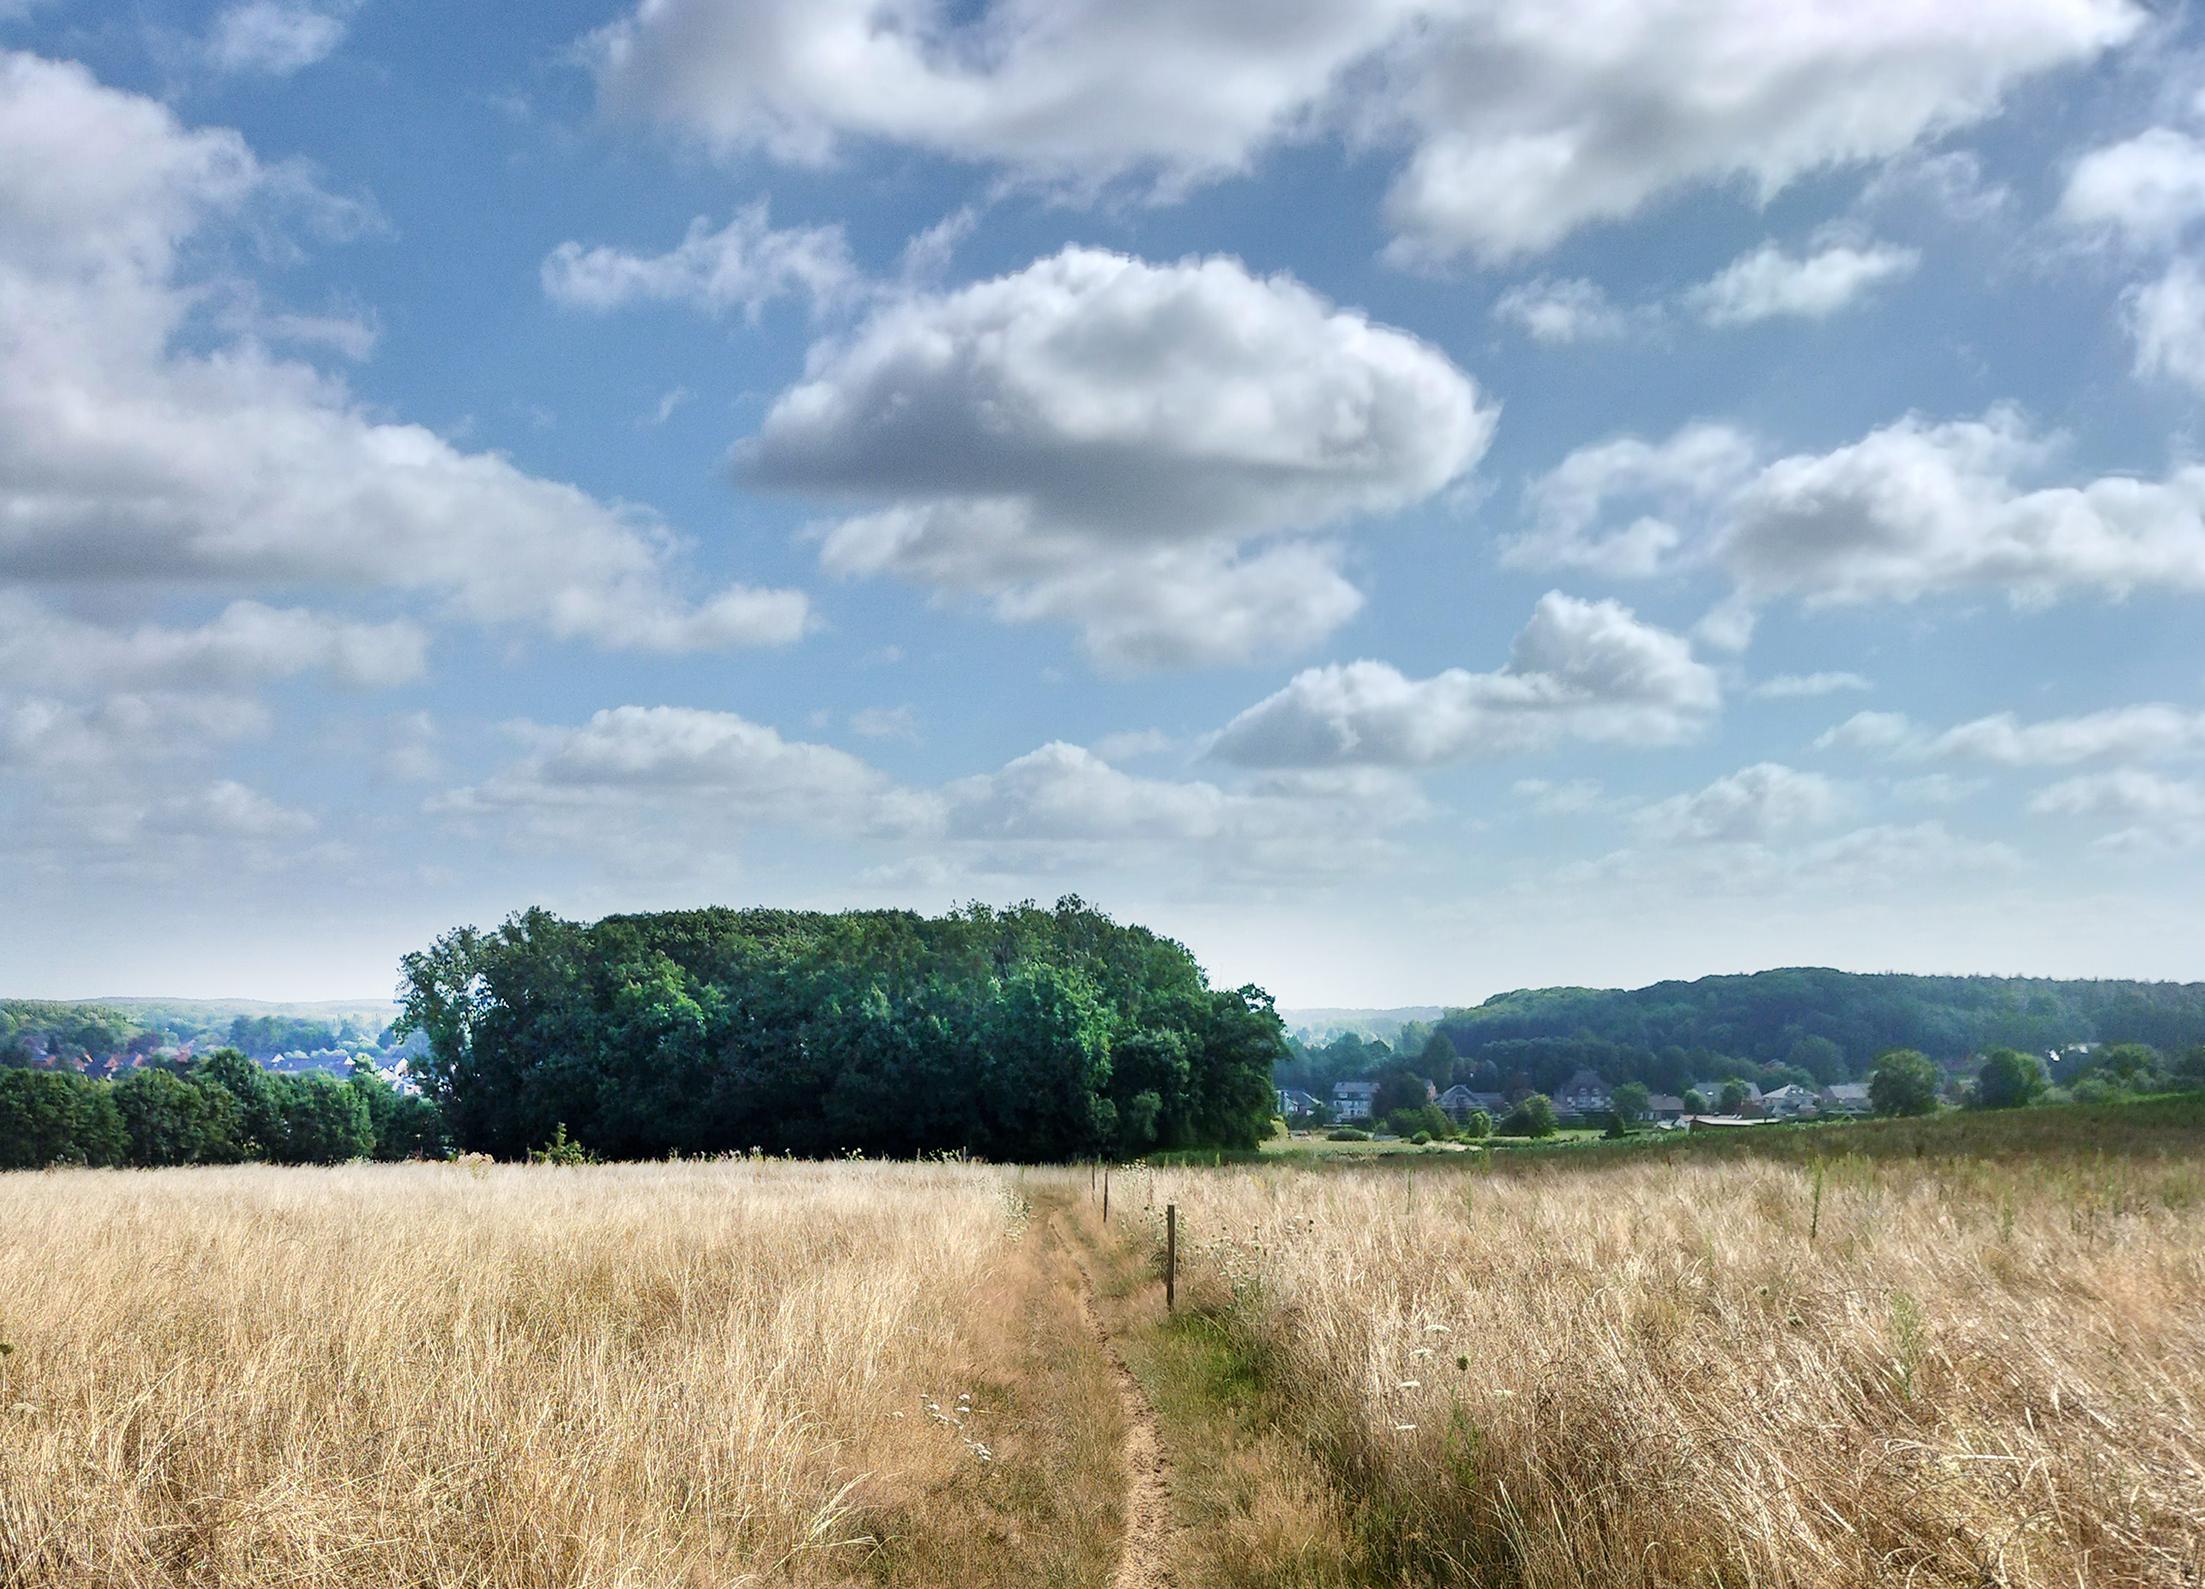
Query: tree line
[[1767, 1014], [223, 1109], [1023, 1033]]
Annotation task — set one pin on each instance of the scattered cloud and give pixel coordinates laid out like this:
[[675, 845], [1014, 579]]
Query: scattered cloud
[[1808, 686], [246, 645], [2149, 732], [1753, 805], [642, 784], [1572, 798], [1568, 310], [1912, 509], [743, 266], [2158, 812], [1769, 284], [1587, 670], [2166, 319], [886, 722], [1658, 485], [2147, 190], [1141, 450], [274, 38]]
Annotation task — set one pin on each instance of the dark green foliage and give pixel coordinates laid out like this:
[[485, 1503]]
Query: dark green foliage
[[1695, 1101], [1438, 1059], [1533, 1117], [57, 1117], [1017, 1034], [1399, 1088], [1429, 1119], [174, 1120], [1632, 1102], [1477, 1125], [403, 1125], [223, 1110], [1903, 1082], [2009, 1080], [1733, 1097], [1347, 1134]]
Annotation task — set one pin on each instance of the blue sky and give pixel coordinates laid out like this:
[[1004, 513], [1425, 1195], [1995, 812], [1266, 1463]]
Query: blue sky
[[1412, 499]]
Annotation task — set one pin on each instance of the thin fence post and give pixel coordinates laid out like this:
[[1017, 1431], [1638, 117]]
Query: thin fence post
[[1171, 1256], [1106, 1194]]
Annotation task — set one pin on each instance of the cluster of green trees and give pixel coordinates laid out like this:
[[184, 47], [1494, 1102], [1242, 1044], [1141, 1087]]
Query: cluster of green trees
[[221, 1110], [1024, 1033], [1907, 1082]]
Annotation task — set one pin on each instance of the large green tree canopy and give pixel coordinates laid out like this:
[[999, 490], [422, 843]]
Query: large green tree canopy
[[1024, 1033]]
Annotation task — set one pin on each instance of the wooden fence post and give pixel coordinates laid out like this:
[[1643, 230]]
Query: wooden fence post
[[1171, 1256], [1106, 1194]]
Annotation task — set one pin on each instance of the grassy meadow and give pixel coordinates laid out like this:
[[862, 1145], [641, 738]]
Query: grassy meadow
[[1883, 1361]]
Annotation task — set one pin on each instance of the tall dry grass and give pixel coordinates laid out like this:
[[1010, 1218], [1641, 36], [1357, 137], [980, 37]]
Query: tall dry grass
[[689, 1374], [1715, 1373]]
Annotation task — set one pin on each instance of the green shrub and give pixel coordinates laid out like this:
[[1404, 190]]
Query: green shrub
[[1421, 1139], [1534, 1117], [1346, 1134]]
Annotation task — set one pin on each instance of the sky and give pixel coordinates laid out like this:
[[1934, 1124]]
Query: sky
[[1411, 498]]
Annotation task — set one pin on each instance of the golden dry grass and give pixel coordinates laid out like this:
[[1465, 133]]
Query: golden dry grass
[[1589, 1378], [692, 1374]]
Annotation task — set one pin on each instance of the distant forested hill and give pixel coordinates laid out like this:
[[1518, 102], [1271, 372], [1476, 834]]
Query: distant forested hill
[[1763, 1017]]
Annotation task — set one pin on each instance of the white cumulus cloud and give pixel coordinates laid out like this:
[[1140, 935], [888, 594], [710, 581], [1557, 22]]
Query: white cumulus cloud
[[1142, 450], [1514, 125], [1586, 670], [132, 452]]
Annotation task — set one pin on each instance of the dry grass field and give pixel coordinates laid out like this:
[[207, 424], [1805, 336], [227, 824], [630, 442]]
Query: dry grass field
[[1729, 1372], [1566, 1372], [661, 1375]]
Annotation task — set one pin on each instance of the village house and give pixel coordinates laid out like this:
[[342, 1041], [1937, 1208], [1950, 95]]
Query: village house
[[1461, 1102], [1296, 1104], [1662, 1107], [1584, 1094], [1712, 1091], [1846, 1098], [1791, 1102], [1351, 1100]]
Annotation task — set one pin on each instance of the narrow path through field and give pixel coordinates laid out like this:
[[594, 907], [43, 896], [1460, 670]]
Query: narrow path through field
[[1144, 1560]]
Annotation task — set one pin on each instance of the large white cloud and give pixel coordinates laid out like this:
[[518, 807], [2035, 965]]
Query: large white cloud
[[129, 451], [1579, 670], [1518, 124], [1914, 508], [1100, 440]]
